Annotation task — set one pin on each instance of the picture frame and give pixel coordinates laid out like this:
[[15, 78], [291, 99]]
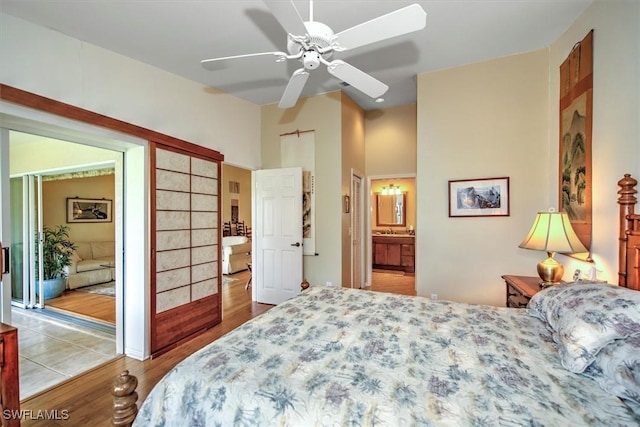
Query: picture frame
[[479, 197], [88, 210]]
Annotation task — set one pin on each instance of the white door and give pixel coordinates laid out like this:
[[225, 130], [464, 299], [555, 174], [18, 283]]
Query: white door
[[277, 234], [357, 259]]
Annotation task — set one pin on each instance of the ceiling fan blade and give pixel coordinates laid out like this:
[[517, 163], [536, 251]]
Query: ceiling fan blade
[[216, 63], [357, 78], [402, 21], [288, 16], [294, 88]]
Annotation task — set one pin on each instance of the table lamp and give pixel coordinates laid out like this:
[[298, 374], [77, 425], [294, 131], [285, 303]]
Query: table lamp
[[552, 232]]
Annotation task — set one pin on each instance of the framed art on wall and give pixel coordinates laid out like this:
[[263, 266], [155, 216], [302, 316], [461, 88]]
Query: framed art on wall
[[576, 118], [88, 210], [479, 197]]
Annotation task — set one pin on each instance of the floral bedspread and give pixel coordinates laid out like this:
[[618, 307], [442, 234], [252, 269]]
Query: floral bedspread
[[338, 357]]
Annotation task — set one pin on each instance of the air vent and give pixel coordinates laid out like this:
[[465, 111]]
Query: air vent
[[344, 84]]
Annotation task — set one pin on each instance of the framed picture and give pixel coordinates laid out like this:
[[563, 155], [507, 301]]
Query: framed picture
[[479, 197], [88, 210]]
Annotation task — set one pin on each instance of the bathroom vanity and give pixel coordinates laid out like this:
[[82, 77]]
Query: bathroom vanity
[[394, 252]]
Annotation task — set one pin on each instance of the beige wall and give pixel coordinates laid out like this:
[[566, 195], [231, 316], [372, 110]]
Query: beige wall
[[390, 136], [321, 113], [243, 176], [500, 118], [54, 202], [483, 120], [616, 119], [353, 158]]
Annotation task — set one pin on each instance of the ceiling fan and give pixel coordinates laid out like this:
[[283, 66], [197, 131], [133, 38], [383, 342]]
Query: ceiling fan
[[313, 43]]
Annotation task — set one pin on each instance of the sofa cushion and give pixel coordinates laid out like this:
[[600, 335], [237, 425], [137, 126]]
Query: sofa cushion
[[238, 249], [90, 264], [102, 249], [83, 249], [75, 257]]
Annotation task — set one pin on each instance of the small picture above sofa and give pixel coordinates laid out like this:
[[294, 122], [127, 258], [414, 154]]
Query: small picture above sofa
[[92, 263]]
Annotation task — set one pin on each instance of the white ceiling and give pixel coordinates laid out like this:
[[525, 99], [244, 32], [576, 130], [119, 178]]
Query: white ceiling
[[175, 35]]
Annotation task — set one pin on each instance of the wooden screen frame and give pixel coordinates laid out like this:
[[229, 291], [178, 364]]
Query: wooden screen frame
[[176, 325]]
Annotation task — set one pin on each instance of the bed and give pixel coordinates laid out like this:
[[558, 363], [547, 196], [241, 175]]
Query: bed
[[330, 357]]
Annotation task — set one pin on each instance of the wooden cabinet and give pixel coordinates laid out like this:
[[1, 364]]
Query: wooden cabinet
[[9, 376], [394, 253], [520, 289]]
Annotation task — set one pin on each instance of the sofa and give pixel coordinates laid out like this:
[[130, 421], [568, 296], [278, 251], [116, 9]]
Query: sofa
[[91, 263], [236, 254]]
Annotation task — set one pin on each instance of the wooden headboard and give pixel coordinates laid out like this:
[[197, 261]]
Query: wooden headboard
[[629, 237]]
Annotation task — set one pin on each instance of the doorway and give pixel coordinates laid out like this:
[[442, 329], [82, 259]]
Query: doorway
[[391, 233], [57, 325], [236, 208], [46, 200]]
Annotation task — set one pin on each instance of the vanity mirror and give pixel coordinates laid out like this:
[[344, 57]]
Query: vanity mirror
[[391, 209]]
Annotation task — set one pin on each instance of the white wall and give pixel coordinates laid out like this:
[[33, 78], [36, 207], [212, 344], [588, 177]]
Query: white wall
[[54, 65], [483, 120], [616, 119]]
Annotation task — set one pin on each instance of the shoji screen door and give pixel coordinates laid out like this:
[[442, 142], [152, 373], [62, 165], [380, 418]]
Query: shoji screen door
[[185, 283]]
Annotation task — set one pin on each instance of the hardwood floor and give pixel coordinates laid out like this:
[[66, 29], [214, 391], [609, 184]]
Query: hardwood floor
[[83, 304], [86, 399], [394, 282]]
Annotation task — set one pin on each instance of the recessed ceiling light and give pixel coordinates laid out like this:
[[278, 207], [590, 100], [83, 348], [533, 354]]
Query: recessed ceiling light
[[379, 100]]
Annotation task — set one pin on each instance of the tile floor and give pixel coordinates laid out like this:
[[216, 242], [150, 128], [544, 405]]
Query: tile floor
[[53, 350]]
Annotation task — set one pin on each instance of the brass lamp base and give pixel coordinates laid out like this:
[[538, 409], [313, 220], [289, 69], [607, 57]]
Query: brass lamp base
[[550, 271]]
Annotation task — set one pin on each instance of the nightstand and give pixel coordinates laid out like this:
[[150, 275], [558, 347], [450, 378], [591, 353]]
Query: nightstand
[[520, 289]]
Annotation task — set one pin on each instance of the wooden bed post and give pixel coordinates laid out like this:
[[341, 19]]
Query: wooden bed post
[[124, 400], [627, 201]]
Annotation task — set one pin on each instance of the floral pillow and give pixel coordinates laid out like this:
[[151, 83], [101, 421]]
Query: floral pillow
[[585, 317], [616, 369], [545, 302]]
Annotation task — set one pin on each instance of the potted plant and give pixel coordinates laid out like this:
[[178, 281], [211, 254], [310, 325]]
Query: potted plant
[[57, 251]]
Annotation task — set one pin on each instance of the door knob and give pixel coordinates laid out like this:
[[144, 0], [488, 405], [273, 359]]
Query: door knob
[[296, 244]]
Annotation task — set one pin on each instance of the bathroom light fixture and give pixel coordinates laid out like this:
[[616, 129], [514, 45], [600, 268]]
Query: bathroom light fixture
[[393, 189]]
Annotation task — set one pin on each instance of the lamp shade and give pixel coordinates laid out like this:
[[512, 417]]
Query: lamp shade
[[552, 232]]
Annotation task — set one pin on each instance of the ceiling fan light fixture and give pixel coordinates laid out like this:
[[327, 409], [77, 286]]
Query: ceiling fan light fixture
[[313, 43], [311, 59]]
